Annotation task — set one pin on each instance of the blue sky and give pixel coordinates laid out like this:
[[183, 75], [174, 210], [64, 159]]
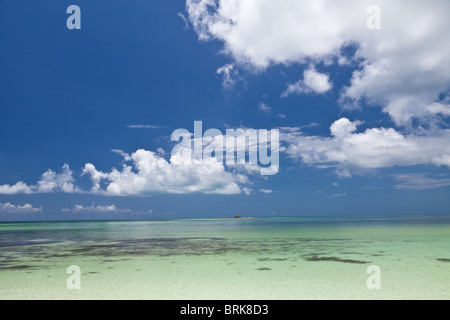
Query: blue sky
[[363, 114]]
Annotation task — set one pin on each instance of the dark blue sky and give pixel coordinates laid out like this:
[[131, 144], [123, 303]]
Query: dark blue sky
[[70, 96]]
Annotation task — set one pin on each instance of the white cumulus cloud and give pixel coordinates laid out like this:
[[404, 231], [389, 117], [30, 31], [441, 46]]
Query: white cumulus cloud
[[405, 65], [11, 208], [403, 68], [19, 187], [151, 174], [374, 148], [313, 82], [98, 209], [50, 182]]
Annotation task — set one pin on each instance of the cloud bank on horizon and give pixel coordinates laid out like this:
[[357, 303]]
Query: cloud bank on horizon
[[149, 174]]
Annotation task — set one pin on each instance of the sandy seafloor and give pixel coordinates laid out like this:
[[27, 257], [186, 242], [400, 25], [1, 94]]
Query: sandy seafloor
[[231, 259]]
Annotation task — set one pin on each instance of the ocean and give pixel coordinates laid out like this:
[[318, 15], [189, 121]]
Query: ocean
[[290, 258]]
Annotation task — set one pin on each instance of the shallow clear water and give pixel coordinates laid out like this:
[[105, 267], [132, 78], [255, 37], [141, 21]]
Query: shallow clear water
[[270, 258]]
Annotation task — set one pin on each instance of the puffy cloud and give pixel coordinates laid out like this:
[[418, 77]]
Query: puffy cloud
[[235, 157], [313, 82], [405, 65], [264, 32], [98, 209], [57, 182], [404, 68], [19, 187], [343, 127], [403, 109], [375, 148], [50, 181], [151, 174], [11, 208]]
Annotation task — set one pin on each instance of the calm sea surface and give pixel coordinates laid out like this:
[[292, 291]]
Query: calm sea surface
[[264, 258]]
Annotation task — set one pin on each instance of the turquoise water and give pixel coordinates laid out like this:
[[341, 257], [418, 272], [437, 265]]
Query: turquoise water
[[267, 258]]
